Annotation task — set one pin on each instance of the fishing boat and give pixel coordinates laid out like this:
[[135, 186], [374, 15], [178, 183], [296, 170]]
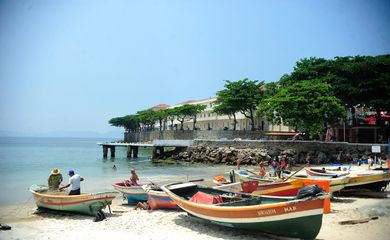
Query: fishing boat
[[282, 189], [158, 199], [288, 188], [247, 175], [375, 180], [335, 183], [325, 173], [86, 203], [133, 193], [299, 217]]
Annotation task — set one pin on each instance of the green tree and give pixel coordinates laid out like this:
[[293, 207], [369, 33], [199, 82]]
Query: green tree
[[171, 116], [147, 118], [243, 95], [129, 122], [308, 105], [355, 80], [226, 104], [372, 75], [161, 116], [183, 113], [193, 110]]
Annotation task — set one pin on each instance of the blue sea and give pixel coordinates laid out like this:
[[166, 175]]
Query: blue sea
[[27, 161]]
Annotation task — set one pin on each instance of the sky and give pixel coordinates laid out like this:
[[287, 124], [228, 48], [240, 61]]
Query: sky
[[71, 66]]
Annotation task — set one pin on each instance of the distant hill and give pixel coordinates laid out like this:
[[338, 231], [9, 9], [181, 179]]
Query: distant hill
[[65, 134]]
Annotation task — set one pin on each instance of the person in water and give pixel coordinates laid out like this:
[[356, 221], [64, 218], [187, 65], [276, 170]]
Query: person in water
[[133, 177], [74, 181], [54, 180]]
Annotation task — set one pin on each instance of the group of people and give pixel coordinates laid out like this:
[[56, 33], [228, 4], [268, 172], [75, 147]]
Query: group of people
[[276, 168], [55, 179]]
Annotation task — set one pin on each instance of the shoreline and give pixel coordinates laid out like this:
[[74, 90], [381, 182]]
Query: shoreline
[[126, 222]]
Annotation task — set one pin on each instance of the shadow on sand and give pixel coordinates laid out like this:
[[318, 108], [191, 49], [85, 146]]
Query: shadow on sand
[[48, 213], [209, 229]]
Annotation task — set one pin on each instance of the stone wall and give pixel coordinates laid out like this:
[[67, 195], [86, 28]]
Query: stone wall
[[148, 136], [253, 151]]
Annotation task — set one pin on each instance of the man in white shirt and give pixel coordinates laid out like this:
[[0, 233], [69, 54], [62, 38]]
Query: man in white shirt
[[74, 181]]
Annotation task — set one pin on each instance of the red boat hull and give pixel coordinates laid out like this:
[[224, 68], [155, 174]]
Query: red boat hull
[[160, 200]]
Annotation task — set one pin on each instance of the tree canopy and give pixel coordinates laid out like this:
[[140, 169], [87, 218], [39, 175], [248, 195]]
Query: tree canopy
[[147, 118], [306, 105], [193, 111], [186, 112], [240, 96], [358, 80], [315, 94], [129, 122]]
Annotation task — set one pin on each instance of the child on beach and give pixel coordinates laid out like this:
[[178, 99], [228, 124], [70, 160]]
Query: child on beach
[[262, 168], [133, 177]]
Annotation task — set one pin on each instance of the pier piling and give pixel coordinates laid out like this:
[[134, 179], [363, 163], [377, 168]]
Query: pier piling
[[129, 151], [135, 152], [105, 150], [112, 149]]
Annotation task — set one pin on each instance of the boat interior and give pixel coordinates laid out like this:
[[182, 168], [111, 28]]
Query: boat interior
[[188, 191]]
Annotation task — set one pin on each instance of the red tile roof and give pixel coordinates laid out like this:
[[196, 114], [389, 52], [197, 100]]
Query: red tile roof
[[161, 106]]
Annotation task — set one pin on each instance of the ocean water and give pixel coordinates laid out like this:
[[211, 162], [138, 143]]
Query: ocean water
[[27, 161]]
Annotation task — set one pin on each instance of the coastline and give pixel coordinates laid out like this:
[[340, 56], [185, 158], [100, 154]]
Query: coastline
[[125, 222]]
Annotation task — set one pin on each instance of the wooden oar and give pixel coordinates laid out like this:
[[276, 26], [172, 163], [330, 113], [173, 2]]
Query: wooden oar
[[253, 172], [197, 180], [295, 173]]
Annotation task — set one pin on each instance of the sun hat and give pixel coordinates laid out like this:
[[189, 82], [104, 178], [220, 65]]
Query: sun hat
[[132, 170], [55, 171], [70, 172]]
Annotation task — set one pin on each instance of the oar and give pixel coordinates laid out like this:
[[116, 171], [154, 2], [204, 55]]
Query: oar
[[150, 181], [253, 173], [197, 180], [295, 173]]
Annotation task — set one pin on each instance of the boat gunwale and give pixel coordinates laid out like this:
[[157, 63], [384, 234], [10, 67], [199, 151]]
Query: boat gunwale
[[260, 206], [87, 195]]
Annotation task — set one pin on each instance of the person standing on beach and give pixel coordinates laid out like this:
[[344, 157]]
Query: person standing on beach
[[262, 169], [74, 181], [54, 180], [238, 162], [283, 165], [133, 177]]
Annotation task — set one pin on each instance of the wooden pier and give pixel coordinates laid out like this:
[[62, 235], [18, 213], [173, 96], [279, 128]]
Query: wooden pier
[[132, 148]]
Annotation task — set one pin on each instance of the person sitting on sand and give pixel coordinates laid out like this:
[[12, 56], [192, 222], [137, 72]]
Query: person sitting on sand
[[142, 206], [54, 180], [74, 181], [133, 177]]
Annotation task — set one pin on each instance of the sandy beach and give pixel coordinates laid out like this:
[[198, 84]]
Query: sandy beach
[[127, 223]]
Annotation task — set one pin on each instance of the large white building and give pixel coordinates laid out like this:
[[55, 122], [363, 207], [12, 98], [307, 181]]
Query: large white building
[[208, 120]]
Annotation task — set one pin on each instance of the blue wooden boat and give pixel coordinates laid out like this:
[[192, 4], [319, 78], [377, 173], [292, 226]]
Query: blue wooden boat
[[133, 193]]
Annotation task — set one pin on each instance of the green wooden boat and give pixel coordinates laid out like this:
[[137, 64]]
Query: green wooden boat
[[87, 204], [299, 217]]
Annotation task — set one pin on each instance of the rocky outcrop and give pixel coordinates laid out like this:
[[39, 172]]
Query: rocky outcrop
[[252, 152]]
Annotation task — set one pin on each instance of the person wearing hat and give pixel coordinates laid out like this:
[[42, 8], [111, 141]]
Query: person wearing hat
[[54, 180], [74, 182]]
